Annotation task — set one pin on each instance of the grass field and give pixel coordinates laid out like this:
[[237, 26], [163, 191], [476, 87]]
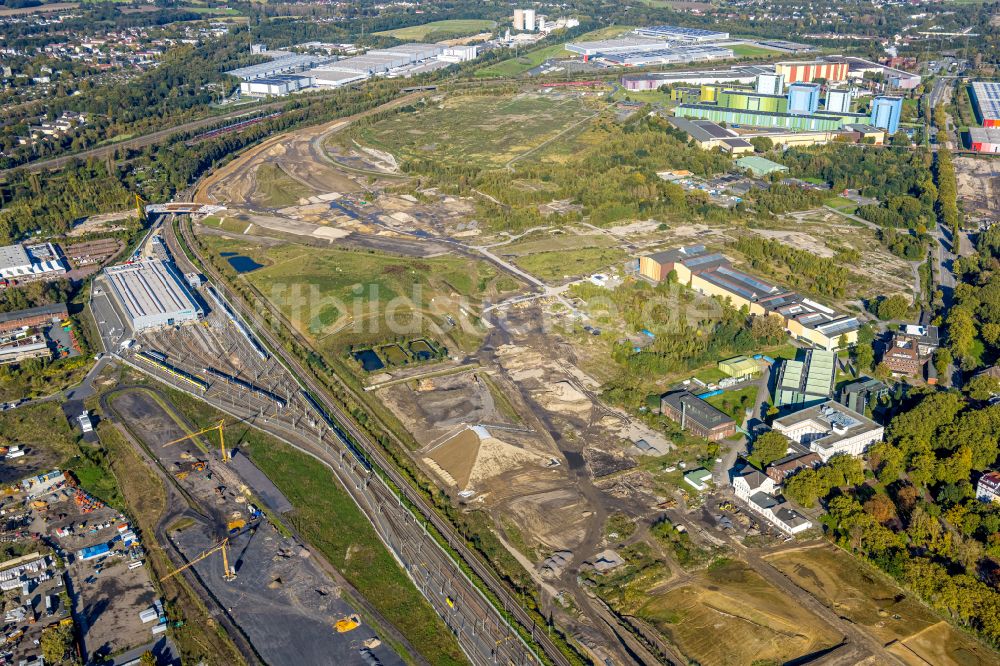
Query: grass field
[[735, 403], [323, 290], [760, 624], [751, 51], [327, 517], [559, 264], [532, 59], [277, 189], [841, 203], [870, 600], [430, 32], [482, 130]]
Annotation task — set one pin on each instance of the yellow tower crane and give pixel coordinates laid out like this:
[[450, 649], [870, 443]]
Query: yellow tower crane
[[138, 206], [220, 426], [227, 574]]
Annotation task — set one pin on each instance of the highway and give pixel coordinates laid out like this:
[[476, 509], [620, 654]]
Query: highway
[[482, 629]]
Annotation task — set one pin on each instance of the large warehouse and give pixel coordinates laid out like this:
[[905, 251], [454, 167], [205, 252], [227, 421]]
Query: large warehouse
[[676, 54], [807, 72], [986, 95], [151, 293], [19, 261], [985, 139], [680, 34]]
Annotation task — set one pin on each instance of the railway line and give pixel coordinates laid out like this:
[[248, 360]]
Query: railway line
[[512, 648]]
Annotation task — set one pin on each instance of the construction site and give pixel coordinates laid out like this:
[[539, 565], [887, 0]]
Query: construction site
[[274, 591]]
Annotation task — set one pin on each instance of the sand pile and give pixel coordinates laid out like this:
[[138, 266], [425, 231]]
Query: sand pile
[[474, 455]]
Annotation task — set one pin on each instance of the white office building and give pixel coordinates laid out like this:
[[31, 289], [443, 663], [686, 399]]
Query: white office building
[[839, 101], [829, 429]]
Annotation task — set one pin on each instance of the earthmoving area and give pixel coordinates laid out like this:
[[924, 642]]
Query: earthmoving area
[[281, 599], [979, 186], [869, 599]]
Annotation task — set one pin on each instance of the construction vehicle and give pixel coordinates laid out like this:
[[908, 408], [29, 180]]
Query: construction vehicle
[[234, 526], [228, 573], [450, 602], [347, 623], [220, 426]]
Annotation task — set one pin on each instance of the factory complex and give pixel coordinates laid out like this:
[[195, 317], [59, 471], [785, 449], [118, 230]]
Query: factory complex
[[985, 139], [21, 262], [150, 293], [289, 72], [656, 45], [712, 274], [773, 102]]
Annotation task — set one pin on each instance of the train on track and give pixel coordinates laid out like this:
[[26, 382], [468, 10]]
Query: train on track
[[177, 373], [244, 331], [247, 386], [335, 427]]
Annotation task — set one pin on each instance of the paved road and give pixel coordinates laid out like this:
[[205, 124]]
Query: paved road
[[140, 141]]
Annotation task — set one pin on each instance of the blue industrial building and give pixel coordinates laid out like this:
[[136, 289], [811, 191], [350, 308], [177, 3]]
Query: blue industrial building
[[803, 98], [886, 112]]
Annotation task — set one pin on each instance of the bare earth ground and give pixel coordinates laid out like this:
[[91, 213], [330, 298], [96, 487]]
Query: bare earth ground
[[877, 605], [979, 186]]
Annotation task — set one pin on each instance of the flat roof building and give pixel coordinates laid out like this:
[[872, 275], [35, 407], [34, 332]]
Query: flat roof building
[[151, 293], [829, 429], [30, 261], [740, 366], [986, 95], [606, 47], [862, 394], [676, 33], [669, 56], [984, 139]]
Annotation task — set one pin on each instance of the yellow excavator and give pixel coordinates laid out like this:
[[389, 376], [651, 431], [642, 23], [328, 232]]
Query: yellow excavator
[[228, 573]]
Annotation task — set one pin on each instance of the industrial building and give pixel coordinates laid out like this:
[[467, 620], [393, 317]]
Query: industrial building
[[32, 317], [675, 33], [696, 415], [283, 65], [19, 262], [829, 429], [671, 55], [770, 84], [894, 78], [708, 135], [281, 84], [985, 139], [711, 274], [807, 72], [839, 101], [986, 98], [803, 98], [796, 110], [737, 74], [886, 113], [806, 382], [151, 294], [760, 166], [378, 62], [622, 45], [740, 366]]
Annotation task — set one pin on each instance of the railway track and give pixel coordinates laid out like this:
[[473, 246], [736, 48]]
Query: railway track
[[509, 605]]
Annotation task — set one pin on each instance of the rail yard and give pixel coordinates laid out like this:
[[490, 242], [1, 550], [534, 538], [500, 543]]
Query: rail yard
[[221, 360]]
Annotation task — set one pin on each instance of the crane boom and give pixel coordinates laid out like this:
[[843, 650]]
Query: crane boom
[[222, 545], [220, 426]]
